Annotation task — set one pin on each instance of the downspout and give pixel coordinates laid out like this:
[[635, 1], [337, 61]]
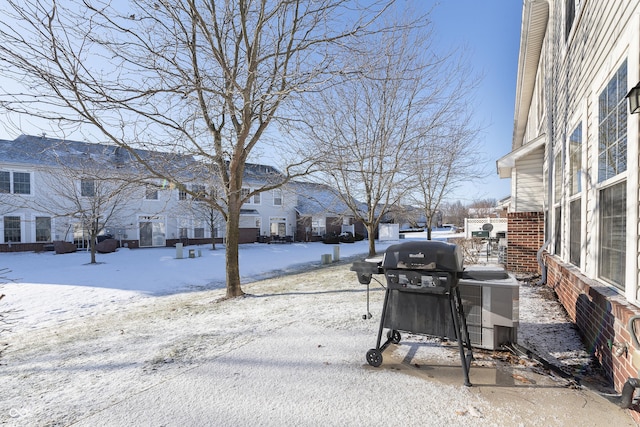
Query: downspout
[[543, 266], [550, 94]]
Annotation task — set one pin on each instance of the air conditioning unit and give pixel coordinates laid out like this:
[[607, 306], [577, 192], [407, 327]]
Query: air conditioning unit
[[490, 298]]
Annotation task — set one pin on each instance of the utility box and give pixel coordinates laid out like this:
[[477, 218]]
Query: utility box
[[480, 234], [491, 301]]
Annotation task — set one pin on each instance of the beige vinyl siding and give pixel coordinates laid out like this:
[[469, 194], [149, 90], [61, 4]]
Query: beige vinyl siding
[[529, 188]]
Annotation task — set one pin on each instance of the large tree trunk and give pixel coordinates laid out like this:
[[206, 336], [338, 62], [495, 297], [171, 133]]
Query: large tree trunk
[[92, 245], [233, 232], [372, 239], [231, 255], [428, 225]]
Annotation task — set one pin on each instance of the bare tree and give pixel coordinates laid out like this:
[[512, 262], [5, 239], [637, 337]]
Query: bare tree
[[369, 131], [199, 209], [454, 212], [482, 208], [192, 76], [90, 195], [446, 158]]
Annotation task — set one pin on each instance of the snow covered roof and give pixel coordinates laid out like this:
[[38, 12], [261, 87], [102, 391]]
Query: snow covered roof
[[42, 151], [314, 198]]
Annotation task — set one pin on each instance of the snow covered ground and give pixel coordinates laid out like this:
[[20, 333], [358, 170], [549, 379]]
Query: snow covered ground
[[143, 339]]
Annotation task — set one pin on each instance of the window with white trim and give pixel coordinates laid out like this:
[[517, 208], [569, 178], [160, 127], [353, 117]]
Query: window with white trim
[[613, 232], [12, 230], [5, 182], [612, 126], [277, 197], [182, 193], [43, 229], [21, 183], [612, 161], [151, 192], [575, 188], [575, 161], [200, 192], [87, 188], [15, 182]]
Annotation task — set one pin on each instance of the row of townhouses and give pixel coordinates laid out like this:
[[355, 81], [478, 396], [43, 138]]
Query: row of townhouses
[[54, 190], [575, 182]]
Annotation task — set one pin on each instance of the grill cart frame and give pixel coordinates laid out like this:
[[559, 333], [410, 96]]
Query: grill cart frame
[[422, 296]]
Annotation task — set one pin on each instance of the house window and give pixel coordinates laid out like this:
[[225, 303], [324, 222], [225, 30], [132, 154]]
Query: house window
[[199, 191], [87, 188], [277, 197], [151, 192], [21, 183], [318, 226], [244, 193], [612, 126], [278, 226], [558, 231], [613, 231], [182, 193], [12, 229], [198, 233], [256, 199], [43, 229], [5, 182], [575, 226], [184, 232], [575, 161]]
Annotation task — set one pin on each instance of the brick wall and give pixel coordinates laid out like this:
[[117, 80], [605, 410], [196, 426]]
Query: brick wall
[[24, 247], [601, 315], [525, 237]]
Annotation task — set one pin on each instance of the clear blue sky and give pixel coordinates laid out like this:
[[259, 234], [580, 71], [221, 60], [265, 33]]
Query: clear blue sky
[[491, 31]]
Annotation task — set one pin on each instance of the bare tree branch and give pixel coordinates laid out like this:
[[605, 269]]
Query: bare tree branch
[[204, 78]]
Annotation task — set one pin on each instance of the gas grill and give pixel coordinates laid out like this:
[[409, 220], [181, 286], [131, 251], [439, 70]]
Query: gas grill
[[422, 296]]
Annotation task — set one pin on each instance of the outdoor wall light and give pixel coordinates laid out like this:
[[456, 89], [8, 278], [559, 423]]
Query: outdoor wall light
[[634, 99]]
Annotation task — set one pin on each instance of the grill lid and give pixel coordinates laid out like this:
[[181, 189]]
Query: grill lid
[[425, 255]]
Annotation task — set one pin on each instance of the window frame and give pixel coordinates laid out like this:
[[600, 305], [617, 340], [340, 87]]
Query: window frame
[[12, 185], [87, 184], [575, 147], [37, 229], [613, 143], [5, 185], [151, 192], [199, 189], [20, 184], [607, 228], [611, 180], [5, 219], [278, 199]]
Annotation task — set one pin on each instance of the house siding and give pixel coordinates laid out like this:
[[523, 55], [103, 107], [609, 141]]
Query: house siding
[[572, 71], [167, 210], [529, 188]]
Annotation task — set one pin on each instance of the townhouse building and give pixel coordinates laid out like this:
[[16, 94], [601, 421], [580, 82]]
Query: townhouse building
[[574, 209], [53, 189]]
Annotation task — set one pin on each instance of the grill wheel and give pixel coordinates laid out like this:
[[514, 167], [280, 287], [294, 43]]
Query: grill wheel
[[394, 336], [374, 357]]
